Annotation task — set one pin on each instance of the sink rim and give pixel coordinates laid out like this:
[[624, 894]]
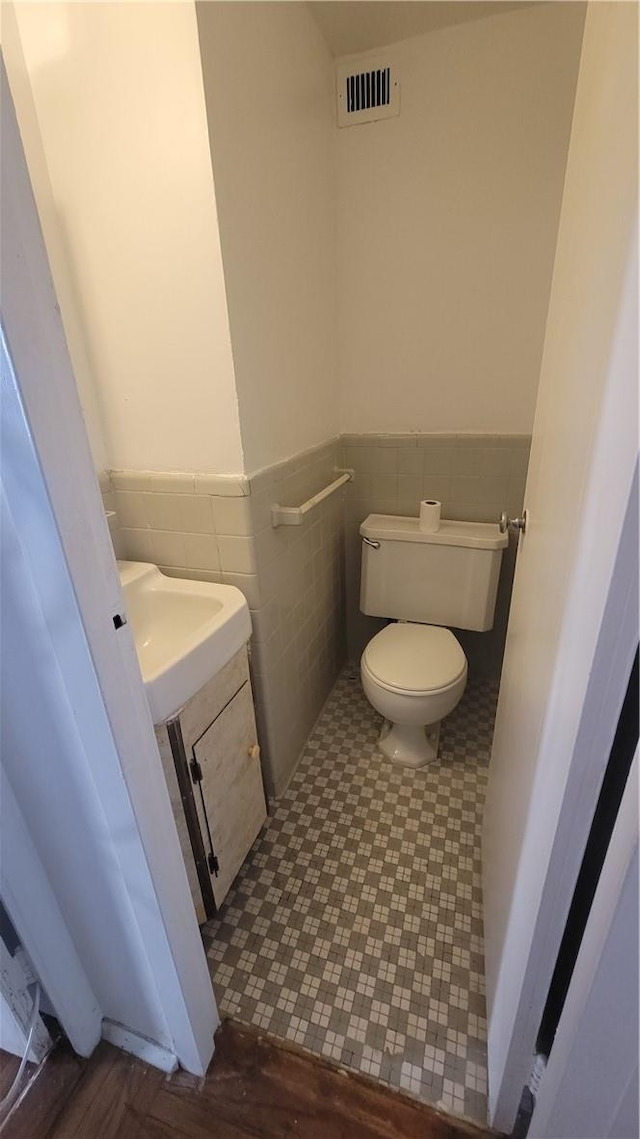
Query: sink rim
[[203, 652]]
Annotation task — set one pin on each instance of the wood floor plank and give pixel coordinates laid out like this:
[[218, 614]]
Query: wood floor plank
[[256, 1088], [45, 1099], [273, 1089], [9, 1065], [116, 1090]]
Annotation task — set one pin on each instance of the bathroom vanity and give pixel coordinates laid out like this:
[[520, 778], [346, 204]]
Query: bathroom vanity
[[211, 763], [191, 641]]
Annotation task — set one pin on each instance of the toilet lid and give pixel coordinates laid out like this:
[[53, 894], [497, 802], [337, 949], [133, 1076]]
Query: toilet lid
[[415, 658]]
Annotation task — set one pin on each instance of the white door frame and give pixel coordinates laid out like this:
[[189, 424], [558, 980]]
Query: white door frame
[[590, 1085], [134, 788], [39, 923]]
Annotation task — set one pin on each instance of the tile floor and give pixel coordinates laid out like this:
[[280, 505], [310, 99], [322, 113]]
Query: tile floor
[[355, 925]]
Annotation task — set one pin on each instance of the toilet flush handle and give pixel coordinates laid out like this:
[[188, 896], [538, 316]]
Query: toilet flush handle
[[370, 542], [516, 524]]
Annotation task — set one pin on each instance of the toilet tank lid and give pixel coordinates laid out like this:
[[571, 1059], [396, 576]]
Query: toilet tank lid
[[392, 527]]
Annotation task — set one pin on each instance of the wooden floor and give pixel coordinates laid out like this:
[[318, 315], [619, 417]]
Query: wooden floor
[[8, 1067], [256, 1086]]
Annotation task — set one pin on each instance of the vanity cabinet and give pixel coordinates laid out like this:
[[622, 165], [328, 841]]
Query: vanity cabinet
[[211, 762]]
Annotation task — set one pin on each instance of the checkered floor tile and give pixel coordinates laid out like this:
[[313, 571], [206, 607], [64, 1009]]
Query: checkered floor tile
[[355, 926]]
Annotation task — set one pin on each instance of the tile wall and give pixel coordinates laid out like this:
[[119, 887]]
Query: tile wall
[[475, 477], [189, 524], [302, 582], [218, 528], [299, 640]]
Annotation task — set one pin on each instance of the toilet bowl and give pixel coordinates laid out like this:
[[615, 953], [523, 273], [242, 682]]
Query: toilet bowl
[[414, 675]]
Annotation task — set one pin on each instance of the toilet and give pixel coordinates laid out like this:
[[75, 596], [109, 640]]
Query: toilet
[[414, 671]]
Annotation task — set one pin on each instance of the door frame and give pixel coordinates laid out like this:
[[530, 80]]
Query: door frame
[[152, 868], [586, 1089]]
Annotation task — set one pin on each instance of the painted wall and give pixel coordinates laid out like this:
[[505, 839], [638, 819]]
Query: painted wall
[[268, 85], [461, 236], [120, 105], [75, 331], [447, 223]]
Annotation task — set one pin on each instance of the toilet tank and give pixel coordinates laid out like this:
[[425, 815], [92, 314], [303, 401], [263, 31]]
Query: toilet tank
[[449, 577]]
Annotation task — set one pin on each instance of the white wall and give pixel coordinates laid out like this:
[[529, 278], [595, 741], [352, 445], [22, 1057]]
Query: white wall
[[268, 84], [119, 100], [75, 331], [447, 217], [447, 223]]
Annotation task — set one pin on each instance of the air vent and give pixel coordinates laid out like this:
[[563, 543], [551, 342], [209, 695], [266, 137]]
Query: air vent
[[366, 94], [368, 89]]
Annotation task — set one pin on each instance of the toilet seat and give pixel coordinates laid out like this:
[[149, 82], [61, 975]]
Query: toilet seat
[[414, 660]]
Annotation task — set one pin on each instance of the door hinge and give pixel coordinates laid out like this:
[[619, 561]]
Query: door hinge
[[214, 865], [196, 771]]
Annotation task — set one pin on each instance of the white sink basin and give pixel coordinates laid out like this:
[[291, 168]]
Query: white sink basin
[[184, 632]]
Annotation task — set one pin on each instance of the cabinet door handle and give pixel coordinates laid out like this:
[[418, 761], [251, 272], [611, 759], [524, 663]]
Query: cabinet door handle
[[254, 751]]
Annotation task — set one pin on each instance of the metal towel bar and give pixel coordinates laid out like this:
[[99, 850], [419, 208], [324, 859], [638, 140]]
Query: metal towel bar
[[294, 515]]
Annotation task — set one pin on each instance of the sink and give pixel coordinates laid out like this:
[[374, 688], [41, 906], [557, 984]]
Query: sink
[[184, 632]]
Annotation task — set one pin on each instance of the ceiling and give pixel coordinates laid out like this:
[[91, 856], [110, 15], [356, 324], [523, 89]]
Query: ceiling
[[352, 26]]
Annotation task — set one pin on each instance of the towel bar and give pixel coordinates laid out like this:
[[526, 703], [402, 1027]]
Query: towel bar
[[294, 515]]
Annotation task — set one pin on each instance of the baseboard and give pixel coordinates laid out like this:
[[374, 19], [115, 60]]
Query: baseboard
[[148, 1050]]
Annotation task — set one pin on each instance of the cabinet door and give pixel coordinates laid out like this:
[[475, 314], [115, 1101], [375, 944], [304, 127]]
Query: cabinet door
[[231, 787]]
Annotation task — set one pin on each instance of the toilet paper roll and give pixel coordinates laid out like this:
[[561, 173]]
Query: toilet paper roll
[[430, 515]]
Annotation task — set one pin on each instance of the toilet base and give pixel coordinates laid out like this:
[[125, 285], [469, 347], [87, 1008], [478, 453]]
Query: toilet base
[[410, 745]]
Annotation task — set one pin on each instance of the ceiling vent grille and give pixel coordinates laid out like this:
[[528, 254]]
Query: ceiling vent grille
[[367, 94]]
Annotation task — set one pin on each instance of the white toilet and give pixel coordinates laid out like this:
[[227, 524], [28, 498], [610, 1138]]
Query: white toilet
[[414, 671]]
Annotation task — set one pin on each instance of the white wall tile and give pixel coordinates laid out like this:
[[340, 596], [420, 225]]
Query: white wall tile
[[131, 509], [172, 482], [248, 584], [409, 461], [410, 489], [228, 486], [163, 512], [237, 554], [233, 516], [195, 513], [169, 548], [438, 487], [136, 545], [202, 551], [130, 480]]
